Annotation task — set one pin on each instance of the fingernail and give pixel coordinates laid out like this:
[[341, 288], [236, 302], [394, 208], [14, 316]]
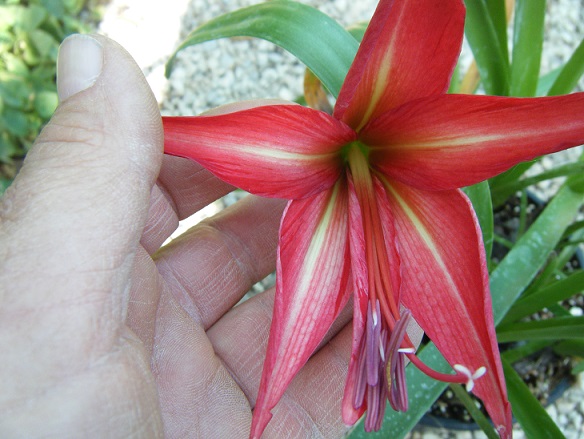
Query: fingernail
[[79, 65]]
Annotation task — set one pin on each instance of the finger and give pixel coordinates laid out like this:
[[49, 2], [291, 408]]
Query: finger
[[183, 188], [144, 299], [209, 268], [213, 265], [188, 186], [161, 223], [198, 397], [203, 379], [311, 406], [76, 210]]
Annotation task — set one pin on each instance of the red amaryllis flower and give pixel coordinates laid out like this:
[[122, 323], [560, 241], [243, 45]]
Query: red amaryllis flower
[[375, 210]]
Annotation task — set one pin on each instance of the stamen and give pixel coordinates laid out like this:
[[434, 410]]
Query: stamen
[[372, 346], [462, 369], [406, 350], [471, 377], [373, 401], [382, 346], [375, 312], [398, 396], [359, 377], [376, 402], [399, 390]]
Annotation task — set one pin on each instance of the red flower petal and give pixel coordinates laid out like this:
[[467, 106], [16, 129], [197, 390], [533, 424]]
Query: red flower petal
[[283, 151], [312, 287], [458, 140], [445, 284], [409, 51]]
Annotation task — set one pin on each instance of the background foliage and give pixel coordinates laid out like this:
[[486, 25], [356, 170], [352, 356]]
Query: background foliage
[[30, 34]]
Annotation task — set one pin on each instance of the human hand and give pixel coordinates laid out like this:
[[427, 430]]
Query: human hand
[[102, 333]]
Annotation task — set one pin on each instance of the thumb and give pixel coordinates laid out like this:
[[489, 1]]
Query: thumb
[[71, 221]]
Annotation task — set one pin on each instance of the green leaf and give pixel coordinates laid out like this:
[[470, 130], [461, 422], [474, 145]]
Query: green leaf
[[54, 7], [73, 7], [358, 30], [534, 420], [314, 38], [546, 297], [476, 414], [7, 16], [4, 183], [527, 46], [578, 368], [577, 226], [45, 103], [570, 73], [29, 53], [55, 28], [508, 177], [8, 148], [503, 191], [546, 81], [16, 122], [14, 91], [480, 196], [28, 18], [525, 349], [14, 65], [530, 253], [44, 44], [485, 31], [455, 79], [497, 10], [570, 347], [558, 328]]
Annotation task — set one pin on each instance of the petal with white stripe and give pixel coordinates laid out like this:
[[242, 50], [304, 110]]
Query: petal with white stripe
[[313, 286], [282, 151]]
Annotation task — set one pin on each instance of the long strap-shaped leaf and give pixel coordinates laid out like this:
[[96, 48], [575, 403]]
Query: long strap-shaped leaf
[[510, 278], [570, 73], [485, 30], [531, 415], [557, 328], [480, 197], [546, 297], [531, 252], [527, 46], [313, 37]]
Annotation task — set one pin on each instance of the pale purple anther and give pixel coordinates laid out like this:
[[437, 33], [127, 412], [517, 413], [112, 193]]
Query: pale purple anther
[[380, 375]]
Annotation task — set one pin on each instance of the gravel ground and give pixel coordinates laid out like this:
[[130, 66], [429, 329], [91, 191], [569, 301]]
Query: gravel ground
[[223, 71]]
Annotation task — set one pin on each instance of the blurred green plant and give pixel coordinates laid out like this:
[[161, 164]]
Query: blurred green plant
[[30, 34]]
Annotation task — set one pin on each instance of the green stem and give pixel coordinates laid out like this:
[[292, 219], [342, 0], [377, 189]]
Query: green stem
[[473, 410]]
